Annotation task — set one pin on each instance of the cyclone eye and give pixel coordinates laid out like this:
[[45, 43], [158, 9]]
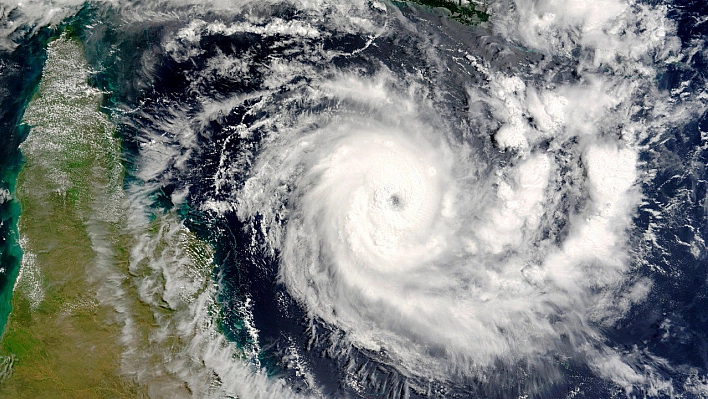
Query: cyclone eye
[[396, 202]]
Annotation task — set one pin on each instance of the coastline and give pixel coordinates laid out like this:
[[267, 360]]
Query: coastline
[[109, 301], [59, 339]]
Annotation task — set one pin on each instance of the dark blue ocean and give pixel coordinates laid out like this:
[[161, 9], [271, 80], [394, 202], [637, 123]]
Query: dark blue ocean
[[148, 83]]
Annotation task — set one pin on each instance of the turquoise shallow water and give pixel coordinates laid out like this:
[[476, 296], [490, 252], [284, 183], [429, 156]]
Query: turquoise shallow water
[[20, 75], [10, 251], [20, 72], [153, 96]]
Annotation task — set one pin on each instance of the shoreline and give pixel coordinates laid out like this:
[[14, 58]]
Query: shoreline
[[58, 337]]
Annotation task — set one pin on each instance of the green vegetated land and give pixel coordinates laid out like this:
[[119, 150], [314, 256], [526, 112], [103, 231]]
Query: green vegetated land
[[59, 342], [468, 12]]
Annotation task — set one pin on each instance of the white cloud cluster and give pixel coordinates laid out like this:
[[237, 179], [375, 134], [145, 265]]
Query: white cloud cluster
[[387, 226], [389, 238]]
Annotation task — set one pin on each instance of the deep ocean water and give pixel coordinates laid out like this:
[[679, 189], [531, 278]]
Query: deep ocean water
[[399, 205]]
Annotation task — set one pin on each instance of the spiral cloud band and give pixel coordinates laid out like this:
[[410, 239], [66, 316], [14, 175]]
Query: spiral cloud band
[[390, 229], [367, 198], [400, 205]]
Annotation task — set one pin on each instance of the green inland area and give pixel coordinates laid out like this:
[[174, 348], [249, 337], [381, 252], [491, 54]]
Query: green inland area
[[97, 305], [469, 12], [58, 341]]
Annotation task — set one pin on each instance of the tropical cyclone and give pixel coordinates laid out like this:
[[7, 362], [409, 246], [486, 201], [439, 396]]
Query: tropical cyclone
[[401, 205], [388, 229]]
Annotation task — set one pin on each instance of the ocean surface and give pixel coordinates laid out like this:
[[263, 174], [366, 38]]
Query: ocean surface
[[401, 205]]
